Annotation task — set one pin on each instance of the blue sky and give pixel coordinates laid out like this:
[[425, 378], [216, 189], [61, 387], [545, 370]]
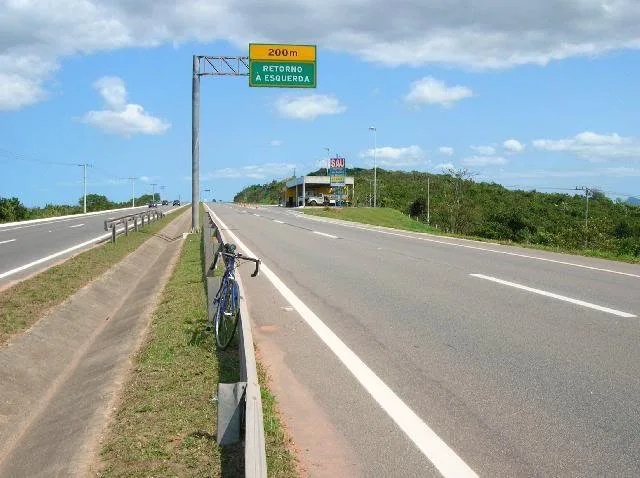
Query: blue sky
[[526, 106]]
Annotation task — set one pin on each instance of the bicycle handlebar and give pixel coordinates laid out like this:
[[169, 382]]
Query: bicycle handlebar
[[244, 258]]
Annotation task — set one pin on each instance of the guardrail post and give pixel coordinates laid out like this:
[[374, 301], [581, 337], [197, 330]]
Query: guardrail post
[[142, 218], [126, 227], [135, 223], [106, 228], [113, 233]]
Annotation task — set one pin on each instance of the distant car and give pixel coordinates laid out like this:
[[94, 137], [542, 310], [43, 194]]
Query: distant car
[[176, 202], [153, 204], [165, 202]]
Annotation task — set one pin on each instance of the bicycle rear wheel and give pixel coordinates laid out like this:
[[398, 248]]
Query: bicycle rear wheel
[[226, 319]]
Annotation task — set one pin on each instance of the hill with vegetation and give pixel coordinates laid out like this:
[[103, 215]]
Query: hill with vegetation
[[453, 202], [270, 193]]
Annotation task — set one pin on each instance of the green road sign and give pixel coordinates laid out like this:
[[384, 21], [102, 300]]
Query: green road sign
[[282, 74]]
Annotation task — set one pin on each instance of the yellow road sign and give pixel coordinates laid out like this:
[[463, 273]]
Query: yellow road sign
[[261, 51]]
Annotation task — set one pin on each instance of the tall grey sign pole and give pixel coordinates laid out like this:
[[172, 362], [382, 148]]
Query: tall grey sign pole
[[195, 146], [206, 66]]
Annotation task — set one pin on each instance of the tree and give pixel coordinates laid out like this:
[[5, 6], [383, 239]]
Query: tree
[[11, 209], [459, 181], [96, 202], [417, 207]]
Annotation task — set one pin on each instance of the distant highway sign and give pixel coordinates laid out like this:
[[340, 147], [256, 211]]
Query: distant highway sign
[[282, 66]]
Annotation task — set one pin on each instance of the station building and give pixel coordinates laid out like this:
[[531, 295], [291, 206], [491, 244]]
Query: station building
[[310, 190]]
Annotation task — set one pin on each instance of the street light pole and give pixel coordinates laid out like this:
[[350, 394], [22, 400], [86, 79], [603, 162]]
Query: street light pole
[[154, 190], [328, 159], [375, 167]]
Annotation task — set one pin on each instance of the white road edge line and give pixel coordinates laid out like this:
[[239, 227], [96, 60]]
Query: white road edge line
[[454, 244], [556, 296], [53, 256], [76, 225], [8, 240], [279, 222], [448, 463], [325, 234]]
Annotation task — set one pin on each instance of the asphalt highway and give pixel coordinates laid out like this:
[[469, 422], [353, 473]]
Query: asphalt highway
[[430, 356], [28, 247]]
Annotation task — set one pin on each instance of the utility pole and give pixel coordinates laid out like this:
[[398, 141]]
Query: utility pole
[[375, 168], [428, 200], [587, 193], [154, 190], [85, 185], [162, 188], [133, 191]]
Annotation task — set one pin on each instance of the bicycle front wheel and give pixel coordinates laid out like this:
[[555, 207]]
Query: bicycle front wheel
[[227, 314]]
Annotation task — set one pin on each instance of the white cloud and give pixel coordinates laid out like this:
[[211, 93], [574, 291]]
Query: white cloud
[[120, 117], [16, 92], [445, 166], [390, 156], [428, 90], [113, 90], [275, 142], [308, 107], [593, 146], [253, 171], [513, 146], [484, 150], [483, 161], [501, 34], [446, 150]]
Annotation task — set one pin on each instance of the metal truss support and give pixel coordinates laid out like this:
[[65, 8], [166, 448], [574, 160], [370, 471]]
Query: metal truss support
[[206, 66]]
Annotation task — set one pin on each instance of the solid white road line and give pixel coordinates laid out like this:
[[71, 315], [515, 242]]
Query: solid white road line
[[448, 463], [53, 256], [279, 222], [76, 225], [69, 217], [325, 234], [485, 249], [555, 296], [9, 240], [38, 224]]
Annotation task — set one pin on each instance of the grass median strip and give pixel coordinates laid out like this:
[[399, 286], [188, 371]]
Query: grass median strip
[[393, 218], [165, 421], [378, 217], [26, 302]]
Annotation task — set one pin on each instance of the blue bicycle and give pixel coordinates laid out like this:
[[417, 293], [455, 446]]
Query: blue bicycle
[[225, 319]]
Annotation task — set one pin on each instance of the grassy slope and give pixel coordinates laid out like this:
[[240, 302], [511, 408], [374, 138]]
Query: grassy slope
[[393, 218], [380, 217]]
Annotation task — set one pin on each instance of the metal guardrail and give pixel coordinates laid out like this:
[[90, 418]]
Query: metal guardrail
[[239, 404], [152, 215]]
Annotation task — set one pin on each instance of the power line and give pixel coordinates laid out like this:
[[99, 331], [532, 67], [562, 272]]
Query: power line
[[13, 156]]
